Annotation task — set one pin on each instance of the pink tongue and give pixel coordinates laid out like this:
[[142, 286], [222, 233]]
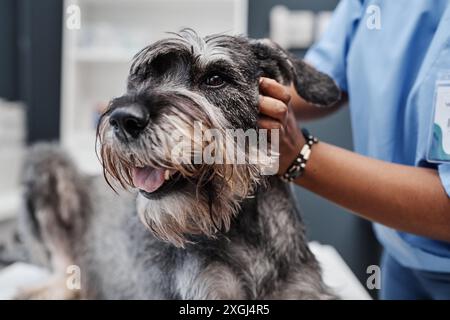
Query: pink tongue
[[148, 179]]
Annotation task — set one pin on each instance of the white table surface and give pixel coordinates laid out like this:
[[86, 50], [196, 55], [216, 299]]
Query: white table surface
[[336, 274]]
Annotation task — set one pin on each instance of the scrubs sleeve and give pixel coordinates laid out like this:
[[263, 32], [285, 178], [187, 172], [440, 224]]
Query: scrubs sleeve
[[329, 54]]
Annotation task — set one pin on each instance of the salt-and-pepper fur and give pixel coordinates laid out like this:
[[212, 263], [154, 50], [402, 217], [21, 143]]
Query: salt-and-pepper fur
[[226, 233]]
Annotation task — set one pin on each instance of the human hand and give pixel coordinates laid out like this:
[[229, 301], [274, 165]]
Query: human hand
[[275, 113]]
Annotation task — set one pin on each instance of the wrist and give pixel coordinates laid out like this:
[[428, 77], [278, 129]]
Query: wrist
[[290, 144], [297, 167]]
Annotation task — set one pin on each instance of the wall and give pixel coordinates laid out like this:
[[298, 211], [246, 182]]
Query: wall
[[40, 43], [8, 50]]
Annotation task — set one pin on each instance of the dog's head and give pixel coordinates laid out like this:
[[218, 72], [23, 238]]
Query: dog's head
[[186, 98]]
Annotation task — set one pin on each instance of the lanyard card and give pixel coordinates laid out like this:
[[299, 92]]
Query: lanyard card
[[439, 146]]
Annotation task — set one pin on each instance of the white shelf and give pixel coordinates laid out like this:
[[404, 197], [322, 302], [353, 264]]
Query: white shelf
[[149, 3], [102, 55]]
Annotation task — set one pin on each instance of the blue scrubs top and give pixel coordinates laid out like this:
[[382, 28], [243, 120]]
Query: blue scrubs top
[[387, 55]]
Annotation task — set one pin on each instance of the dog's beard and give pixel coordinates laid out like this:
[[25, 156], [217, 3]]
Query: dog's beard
[[180, 215], [214, 191]]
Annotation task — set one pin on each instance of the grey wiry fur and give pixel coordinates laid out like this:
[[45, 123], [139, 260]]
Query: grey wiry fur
[[223, 231]]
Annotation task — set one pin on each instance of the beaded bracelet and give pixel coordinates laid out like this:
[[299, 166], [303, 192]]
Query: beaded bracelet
[[298, 166]]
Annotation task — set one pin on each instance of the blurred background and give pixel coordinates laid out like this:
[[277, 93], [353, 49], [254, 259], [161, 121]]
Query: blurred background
[[62, 61]]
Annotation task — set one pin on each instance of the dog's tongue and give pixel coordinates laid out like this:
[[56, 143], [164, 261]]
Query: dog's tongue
[[148, 179]]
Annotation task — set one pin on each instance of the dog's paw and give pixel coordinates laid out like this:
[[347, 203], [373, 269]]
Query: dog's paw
[[55, 289]]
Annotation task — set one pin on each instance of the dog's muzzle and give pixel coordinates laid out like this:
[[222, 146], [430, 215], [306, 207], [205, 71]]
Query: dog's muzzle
[[128, 123]]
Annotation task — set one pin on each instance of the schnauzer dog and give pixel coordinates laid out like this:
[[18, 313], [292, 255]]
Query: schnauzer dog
[[181, 230]]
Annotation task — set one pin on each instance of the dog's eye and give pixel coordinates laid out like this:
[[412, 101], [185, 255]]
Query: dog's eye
[[214, 81]]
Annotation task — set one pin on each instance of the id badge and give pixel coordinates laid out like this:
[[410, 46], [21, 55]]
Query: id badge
[[439, 146]]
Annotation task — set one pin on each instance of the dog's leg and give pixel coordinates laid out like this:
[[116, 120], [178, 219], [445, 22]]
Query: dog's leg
[[53, 289], [54, 205], [12, 248], [305, 285], [215, 282]]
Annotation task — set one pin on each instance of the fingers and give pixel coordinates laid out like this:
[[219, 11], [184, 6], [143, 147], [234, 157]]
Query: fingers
[[269, 87], [275, 114], [274, 100], [273, 108], [268, 123]]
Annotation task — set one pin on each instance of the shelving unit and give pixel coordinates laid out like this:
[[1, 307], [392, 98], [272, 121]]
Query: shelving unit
[[96, 58], [12, 152]]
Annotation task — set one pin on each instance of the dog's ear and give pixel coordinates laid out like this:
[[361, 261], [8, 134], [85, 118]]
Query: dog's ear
[[312, 85]]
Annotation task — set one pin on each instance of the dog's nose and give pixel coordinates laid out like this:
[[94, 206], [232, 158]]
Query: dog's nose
[[129, 121]]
